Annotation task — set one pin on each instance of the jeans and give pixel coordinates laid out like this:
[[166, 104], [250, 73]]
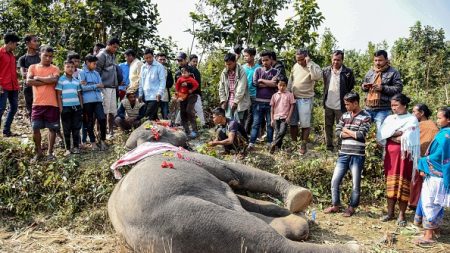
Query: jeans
[[164, 106], [71, 118], [344, 163], [280, 131], [261, 110], [378, 116], [13, 97], [92, 111]]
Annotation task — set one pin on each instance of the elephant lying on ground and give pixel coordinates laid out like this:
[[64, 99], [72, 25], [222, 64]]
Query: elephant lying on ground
[[192, 207]]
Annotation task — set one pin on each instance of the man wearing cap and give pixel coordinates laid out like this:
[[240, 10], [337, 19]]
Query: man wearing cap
[[130, 112], [9, 85]]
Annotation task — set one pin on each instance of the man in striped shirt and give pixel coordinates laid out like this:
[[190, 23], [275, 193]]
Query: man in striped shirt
[[352, 128]]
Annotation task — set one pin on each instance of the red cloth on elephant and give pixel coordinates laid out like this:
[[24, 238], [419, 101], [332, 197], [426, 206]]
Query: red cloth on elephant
[[140, 152]]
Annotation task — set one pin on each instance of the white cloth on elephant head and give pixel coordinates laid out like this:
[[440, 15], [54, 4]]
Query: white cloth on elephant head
[[142, 151]]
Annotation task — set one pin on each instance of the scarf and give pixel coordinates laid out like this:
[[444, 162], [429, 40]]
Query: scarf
[[437, 161], [410, 139], [374, 96]]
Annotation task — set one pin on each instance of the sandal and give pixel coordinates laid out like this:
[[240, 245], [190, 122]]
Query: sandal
[[401, 223], [348, 212], [420, 241], [386, 218], [331, 209]]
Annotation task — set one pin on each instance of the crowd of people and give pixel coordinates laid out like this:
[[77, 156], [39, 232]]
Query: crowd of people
[[257, 98]]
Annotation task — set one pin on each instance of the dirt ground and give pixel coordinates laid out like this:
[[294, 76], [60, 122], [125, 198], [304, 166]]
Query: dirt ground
[[364, 228]]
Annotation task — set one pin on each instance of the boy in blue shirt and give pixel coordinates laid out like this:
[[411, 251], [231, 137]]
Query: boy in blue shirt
[[91, 83], [68, 92]]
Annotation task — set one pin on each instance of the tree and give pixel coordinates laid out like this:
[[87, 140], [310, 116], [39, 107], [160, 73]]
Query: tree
[[230, 22], [77, 25], [423, 57], [300, 30]]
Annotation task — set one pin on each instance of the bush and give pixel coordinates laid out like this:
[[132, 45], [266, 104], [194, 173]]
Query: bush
[[61, 188]]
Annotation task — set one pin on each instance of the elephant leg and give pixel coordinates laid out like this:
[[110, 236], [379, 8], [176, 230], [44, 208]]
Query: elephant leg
[[291, 226], [262, 207], [240, 176]]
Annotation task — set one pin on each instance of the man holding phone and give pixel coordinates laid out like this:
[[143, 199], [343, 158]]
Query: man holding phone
[[381, 83]]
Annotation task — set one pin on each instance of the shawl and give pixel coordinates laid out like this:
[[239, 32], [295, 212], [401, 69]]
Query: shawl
[[428, 130], [437, 161], [374, 96], [410, 139]]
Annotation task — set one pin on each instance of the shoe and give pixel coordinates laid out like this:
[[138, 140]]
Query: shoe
[[193, 135], [50, 157], [75, 151], [10, 134], [67, 153], [401, 223], [251, 147], [348, 212], [331, 209], [110, 136], [386, 218]]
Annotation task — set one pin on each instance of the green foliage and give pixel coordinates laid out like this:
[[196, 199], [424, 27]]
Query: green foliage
[[72, 25], [236, 21], [423, 58], [253, 23], [211, 69], [300, 30], [65, 187]]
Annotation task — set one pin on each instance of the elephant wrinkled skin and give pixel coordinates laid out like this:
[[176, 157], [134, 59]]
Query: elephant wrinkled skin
[[192, 208]]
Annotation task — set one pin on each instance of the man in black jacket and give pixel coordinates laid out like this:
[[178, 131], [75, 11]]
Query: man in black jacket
[[338, 80]]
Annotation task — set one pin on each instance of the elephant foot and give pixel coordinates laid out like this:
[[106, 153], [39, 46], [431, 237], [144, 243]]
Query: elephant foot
[[298, 199], [293, 227]]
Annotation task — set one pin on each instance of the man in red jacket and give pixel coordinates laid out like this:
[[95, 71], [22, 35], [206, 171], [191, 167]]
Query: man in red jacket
[[9, 85]]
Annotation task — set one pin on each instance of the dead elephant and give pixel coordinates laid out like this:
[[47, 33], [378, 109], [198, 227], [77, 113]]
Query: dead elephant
[[192, 207]]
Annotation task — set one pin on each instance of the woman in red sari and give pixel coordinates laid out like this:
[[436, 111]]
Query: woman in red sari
[[401, 136]]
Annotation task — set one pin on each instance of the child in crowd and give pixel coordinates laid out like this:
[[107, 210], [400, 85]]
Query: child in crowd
[[185, 87], [282, 104], [69, 95], [352, 129], [91, 83], [45, 111]]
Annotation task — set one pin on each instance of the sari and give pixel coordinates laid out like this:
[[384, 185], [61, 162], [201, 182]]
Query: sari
[[435, 195], [400, 158], [428, 130]]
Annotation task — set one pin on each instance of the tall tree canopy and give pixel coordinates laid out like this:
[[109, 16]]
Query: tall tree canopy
[[254, 23], [77, 25]]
